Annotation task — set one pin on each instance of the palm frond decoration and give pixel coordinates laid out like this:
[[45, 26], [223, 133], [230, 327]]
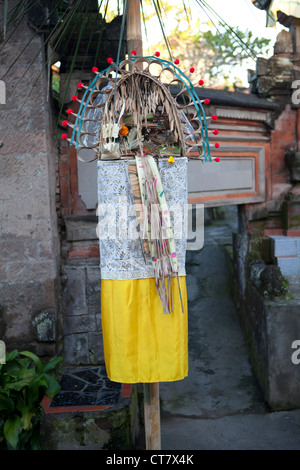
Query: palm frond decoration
[[153, 99]]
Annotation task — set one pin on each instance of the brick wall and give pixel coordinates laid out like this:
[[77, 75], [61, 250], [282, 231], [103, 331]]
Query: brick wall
[[80, 271], [81, 318]]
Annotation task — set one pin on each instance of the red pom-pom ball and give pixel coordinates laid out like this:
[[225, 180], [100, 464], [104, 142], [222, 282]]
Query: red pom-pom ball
[[74, 98], [65, 123], [64, 136], [110, 60], [157, 54], [69, 111], [176, 61], [95, 69], [206, 101], [214, 117], [201, 82], [192, 69], [216, 132], [80, 85], [133, 52], [217, 159], [217, 145]]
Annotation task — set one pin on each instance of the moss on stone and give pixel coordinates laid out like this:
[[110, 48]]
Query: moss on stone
[[114, 428], [294, 222]]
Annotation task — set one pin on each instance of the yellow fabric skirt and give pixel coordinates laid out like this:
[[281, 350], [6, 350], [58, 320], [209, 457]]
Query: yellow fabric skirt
[[141, 344]]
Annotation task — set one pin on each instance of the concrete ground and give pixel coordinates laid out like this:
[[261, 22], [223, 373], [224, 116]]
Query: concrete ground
[[219, 405]]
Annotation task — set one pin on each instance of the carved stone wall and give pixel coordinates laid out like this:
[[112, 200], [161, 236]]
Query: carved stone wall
[[29, 243], [266, 266]]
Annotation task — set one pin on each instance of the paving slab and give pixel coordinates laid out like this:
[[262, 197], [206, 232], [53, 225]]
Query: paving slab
[[269, 431]]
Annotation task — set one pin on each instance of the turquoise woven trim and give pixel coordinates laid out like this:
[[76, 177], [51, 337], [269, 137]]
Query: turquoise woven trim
[[81, 111], [195, 97], [78, 114]]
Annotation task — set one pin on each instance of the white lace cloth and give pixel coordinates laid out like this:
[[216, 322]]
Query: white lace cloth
[[121, 254]]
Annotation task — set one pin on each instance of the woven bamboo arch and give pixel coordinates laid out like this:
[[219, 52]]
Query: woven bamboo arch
[[155, 102]]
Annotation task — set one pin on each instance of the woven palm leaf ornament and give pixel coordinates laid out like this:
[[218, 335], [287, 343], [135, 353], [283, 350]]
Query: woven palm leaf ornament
[[143, 109]]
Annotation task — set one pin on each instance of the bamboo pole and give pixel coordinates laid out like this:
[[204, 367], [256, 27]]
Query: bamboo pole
[[151, 391], [152, 416], [134, 27]]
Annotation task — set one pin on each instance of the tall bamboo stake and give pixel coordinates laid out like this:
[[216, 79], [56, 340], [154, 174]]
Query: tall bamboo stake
[[134, 27], [152, 416], [151, 391]]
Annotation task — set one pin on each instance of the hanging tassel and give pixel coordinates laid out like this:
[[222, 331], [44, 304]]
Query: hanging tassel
[[162, 258]]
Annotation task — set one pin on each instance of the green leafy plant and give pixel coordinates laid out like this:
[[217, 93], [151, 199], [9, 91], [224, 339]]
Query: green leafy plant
[[24, 380]]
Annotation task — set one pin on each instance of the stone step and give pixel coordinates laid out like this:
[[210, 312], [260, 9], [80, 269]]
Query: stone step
[[90, 413], [285, 251]]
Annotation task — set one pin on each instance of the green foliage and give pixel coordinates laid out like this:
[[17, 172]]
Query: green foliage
[[24, 380], [215, 53], [213, 47], [229, 49], [55, 86]]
